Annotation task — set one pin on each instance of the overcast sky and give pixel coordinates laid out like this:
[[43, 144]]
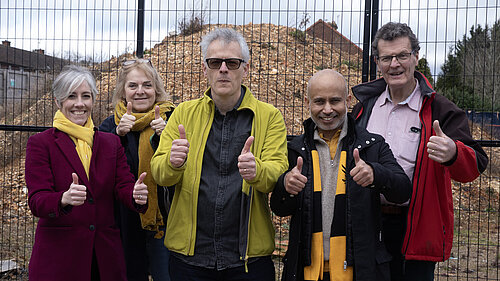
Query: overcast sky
[[108, 27]]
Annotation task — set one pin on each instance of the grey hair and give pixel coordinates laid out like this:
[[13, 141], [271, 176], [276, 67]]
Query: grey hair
[[393, 30], [227, 35], [71, 78]]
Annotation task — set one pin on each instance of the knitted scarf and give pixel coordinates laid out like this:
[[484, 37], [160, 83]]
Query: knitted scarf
[[82, 136], [339, 271], [152, 219]]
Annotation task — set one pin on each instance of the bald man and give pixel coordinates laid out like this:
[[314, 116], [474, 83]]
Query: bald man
[[332, 191]]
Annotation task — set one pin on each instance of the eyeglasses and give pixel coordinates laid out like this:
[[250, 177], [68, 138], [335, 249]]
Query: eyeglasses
[[402, 57], [130, 62], [231, 64]]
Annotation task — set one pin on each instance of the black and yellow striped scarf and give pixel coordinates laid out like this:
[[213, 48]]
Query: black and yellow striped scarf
[[339, 271]]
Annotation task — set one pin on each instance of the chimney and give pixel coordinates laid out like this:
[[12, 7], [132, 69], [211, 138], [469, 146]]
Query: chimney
[[40, 51], [6, 43]]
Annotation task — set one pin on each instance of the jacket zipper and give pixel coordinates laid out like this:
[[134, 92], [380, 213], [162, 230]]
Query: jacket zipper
[[421, 156]]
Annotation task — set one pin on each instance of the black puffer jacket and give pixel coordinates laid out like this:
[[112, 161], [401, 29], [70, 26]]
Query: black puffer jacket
[[365, 247]]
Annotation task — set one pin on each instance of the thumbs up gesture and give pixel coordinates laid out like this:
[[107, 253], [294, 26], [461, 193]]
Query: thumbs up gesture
[[140, 193], [362, 173], [75, 195], [440, 147], [180, 148], [126, 122], [246, 161], [295, 181], [158, 124]]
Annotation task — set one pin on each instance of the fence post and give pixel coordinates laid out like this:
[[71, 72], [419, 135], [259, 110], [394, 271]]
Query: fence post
[[369, 69], [140, 29]]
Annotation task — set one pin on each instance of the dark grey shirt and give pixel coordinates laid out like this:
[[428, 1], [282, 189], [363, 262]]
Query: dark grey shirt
[[219, 198]]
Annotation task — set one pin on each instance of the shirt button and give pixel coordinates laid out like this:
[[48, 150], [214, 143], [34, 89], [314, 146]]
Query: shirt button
[[92, 227], [367, 142], [359, 146], [91, 200]]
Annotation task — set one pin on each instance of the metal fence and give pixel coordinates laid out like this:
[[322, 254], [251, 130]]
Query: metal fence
[[289, 41]]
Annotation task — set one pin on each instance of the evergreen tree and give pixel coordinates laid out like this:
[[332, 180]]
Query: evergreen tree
[[470, 76], [423, 67]]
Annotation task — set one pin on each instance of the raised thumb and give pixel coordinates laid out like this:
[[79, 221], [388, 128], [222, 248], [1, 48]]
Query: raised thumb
[[248, 144], [75, 178], [141, 178], [182, 131], [129, 108], [300, 162], [355, 154], [437, 129], [157, 112]]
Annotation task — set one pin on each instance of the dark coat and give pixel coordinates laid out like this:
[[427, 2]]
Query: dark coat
[[365, 247], [430, 222], [134, 237], [66, 238]]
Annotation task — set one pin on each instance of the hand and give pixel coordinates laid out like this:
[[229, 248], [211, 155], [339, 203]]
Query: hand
[[180, 149], [126, 122], [76, 194], [158, 124], [295, 181], [246, 161], [440, 147], [362, 173], [140, 193]]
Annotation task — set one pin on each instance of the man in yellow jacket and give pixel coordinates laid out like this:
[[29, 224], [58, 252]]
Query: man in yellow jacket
[[224, 153]]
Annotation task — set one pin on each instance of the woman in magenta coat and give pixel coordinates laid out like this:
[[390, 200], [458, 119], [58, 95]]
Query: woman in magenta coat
[[74, 173]]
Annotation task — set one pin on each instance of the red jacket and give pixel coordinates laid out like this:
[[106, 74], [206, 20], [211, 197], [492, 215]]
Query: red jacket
[[66, 238], [429, 228]]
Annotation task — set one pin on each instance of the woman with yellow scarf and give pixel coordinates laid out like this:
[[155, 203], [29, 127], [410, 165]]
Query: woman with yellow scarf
[[142, 108], [74, 174]]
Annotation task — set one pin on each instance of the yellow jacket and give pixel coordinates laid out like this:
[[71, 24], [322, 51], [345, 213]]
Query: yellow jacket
[[270, 151]]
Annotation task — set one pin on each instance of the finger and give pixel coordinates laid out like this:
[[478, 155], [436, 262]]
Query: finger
[[437, 129], [129, 108], [141, 178], [75, 178], [355, 153], [182, 132], [248, 144], [300, 162], [157, 112]]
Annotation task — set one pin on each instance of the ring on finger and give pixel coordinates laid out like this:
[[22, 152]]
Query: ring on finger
[[140, 197]]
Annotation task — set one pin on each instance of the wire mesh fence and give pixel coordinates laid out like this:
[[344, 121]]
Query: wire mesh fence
[[289, 41]]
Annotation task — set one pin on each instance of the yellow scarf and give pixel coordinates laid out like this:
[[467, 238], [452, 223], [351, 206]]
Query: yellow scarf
[[152, 219], [82, 136]]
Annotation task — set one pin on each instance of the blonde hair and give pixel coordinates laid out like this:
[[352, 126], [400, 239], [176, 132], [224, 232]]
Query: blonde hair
[[150, 72]]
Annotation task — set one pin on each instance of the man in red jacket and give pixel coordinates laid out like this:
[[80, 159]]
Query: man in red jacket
[[430, 138]]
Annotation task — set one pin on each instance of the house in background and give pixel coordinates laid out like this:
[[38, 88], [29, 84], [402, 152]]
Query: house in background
[[328, 32], [23, 71]]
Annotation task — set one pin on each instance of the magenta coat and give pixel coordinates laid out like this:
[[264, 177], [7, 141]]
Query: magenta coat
[[65, 238]]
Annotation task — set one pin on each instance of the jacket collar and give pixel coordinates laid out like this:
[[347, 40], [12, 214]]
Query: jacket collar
[[248, 102]]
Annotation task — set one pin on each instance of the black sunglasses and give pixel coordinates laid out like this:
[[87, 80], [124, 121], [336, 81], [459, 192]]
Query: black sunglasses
[[231, 64]]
